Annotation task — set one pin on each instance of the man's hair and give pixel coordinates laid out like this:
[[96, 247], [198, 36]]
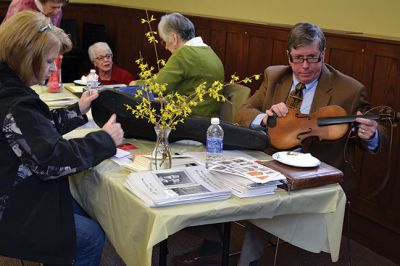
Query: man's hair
[[94, 48], [176, 23], [25, 38], [55, 1], [303, 34]]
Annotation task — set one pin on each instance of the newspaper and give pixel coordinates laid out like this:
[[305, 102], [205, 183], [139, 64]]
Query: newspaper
[[248, 169], [176, 186], [244, 188]]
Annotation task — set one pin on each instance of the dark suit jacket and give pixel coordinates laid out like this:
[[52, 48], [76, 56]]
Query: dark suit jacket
[[334, 88]]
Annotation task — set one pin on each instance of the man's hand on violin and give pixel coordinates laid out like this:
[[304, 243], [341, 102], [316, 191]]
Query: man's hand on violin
[[366, 127], [280, 109]]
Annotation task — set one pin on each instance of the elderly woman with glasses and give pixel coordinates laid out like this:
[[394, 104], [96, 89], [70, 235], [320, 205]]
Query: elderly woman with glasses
[[49, 8], [39, 220], [109, 73]]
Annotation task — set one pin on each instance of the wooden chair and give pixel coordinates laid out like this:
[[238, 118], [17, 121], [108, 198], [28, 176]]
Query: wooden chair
[[236, 95]]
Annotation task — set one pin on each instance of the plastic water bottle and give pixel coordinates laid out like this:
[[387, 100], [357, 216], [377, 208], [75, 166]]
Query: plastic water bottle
[[215, 142], [92, 81]]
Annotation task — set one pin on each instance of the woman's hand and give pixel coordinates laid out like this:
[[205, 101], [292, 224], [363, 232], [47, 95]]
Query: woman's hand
[[86, 100], [366, 127], [113, 128]]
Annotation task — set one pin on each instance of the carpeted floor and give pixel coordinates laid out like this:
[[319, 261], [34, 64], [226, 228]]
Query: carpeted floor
[[183, 241]]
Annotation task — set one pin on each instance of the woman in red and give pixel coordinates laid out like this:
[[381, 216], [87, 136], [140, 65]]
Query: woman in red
[[109, 73]]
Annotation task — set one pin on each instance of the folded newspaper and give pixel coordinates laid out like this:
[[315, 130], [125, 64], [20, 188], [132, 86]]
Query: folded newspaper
[[176, 186], [244, 188], [248, 169], [246, 178]]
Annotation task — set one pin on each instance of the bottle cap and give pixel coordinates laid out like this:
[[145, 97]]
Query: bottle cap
[[215, 121], [93, 71]]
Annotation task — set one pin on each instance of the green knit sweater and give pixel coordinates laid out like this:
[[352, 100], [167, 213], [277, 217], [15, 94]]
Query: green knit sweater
[[188, 67]]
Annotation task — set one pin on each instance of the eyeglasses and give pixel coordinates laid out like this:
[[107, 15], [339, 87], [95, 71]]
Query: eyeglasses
[[102, 58], [46, 27], [300, 59]]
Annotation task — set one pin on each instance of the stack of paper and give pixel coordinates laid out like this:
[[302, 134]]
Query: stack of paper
[[74, 88], [143, 162], [176, 186], [248, 169], [57, 100], [244, 188], [246, 178]]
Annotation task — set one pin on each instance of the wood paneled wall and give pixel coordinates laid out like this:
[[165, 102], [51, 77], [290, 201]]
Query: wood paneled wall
[[246, 49]]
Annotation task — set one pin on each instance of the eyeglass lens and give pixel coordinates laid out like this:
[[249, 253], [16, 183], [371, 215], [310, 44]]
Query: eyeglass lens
[[300, 59], [102, 58]]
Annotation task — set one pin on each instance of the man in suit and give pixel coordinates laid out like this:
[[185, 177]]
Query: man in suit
[[324, 85]]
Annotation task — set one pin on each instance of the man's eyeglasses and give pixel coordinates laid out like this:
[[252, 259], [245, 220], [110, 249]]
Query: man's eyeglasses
[[102, 58], [300, 59], [46, 27]]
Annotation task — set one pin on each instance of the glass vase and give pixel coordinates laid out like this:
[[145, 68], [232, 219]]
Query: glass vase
[[161, 156]]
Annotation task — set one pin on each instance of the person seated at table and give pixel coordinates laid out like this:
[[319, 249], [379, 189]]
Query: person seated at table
[[322, 85], [109, 73], [192, 62], [39, 220], [49, 8]]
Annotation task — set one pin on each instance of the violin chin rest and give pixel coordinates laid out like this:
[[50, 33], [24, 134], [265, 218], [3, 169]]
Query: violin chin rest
[[271, 121]]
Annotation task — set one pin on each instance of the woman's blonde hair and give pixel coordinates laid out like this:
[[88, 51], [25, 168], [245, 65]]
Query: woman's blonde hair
[[24, 40]]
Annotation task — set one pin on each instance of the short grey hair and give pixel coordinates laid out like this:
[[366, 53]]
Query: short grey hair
[[303, 34], [178, 24], [97, 47]]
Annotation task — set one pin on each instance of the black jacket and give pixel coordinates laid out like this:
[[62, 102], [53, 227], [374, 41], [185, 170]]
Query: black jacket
[[36, 219]]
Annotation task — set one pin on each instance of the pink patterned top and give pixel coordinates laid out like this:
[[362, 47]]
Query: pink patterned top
[[20, 5]]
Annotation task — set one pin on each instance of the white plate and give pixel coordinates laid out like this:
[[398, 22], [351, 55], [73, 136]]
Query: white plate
[[297, 159], [79, 82]]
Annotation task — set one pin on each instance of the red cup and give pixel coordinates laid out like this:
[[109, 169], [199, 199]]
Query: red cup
[[54, 83]]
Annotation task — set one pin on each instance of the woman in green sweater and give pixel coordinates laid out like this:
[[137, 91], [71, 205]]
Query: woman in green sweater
[[192, 62]]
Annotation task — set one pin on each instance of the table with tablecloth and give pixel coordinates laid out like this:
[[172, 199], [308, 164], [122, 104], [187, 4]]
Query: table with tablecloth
[[311, 219]]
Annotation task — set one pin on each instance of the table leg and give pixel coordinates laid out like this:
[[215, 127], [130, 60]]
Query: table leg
[[226, 237], [163, 253]]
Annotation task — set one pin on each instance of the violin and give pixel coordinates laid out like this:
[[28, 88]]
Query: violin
[[328, 123], [290, 131]]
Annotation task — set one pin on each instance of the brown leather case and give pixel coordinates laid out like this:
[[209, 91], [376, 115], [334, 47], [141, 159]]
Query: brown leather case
[[299, 177]]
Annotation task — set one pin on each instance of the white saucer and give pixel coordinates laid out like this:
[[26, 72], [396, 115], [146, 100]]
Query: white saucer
[[79, 82], [297, 159]]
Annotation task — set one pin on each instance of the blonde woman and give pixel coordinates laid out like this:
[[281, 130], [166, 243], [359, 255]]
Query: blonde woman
[[38, 221]]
